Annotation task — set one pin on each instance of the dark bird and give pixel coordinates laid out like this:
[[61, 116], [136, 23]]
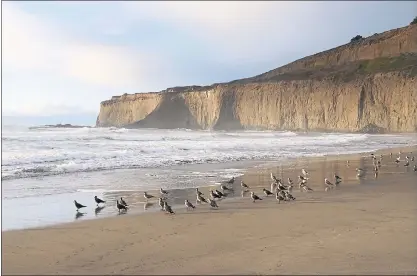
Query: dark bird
[[147, 196], [412, 158], [78, 205], [189, 205], [198, 192], [163, 192], [120, 206], [219, 193], [201, 199], [214, 195], [254, 197], [98, 200], [406, 164], [266, 192], [338, 179], [224, 188], [123, 202], [243, 185], [167, 208], [289, 196], [231, 181]]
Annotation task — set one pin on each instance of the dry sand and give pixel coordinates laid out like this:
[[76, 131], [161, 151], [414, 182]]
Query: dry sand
[[366, 226]]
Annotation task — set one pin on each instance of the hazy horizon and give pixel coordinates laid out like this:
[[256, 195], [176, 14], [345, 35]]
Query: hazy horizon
[[57, 68]]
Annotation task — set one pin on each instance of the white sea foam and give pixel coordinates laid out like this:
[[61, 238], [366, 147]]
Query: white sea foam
[[42, 152]]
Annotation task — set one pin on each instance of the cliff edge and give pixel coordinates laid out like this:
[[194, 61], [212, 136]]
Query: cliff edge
[[367, 85]]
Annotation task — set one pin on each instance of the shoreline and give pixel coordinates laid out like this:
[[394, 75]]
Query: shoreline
[[251, 167], [350, 229]]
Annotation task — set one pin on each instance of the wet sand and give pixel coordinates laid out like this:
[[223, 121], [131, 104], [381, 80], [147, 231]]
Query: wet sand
[[364, 226]]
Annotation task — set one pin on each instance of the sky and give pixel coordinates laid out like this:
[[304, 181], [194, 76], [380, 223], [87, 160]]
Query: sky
[[63, 58]]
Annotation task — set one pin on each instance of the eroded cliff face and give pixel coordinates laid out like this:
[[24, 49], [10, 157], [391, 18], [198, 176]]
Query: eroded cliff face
[[381, 97]]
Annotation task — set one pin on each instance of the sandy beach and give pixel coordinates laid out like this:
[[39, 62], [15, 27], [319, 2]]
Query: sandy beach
[[364, 226]]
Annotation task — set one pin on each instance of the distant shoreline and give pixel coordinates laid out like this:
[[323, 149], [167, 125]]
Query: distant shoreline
[[60, 126]]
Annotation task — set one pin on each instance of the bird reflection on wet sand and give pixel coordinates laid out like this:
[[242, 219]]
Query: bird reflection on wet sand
[[147, 205], [98, 210], [78, 214]]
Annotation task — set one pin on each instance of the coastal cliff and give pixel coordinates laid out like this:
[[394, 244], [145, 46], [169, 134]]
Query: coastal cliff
[[369, 85]]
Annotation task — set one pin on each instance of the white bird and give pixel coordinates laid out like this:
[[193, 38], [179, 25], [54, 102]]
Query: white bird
[[213, 204], [147, 196], [189, 205], [273, 177], [254, 197], [397, 160], [163, 192], [304, 172]]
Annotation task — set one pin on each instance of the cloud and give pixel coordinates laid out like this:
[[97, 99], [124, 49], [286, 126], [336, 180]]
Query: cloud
[[234, 29], [30, 43]]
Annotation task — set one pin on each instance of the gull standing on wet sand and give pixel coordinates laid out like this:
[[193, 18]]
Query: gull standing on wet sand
[[243, 185], [120, 206], [78, 205], [328, 184], [163, 192], [266, 192], [147, 196], [161, 203], [254, 197], [189, 205], [123, 202], [304, 172], [167, 208], [200, 199], [198, 192]]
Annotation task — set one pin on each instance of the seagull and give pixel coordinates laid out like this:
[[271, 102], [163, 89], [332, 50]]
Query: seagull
[[360, 172], [272, 177], [189, 205], [163, 192], [213, 203], [198, 192], [224, 188], [147, 196], [120, 206], [220, 194], [379, 163], [338, 178], [290, 181], [397, 160], [168, 208], [281, 186], [201, 199], [306, 188], [243, 185], [288, 196], [98, 200], [407, 163], [78, 205], [406, 157], [231, 181], [328, 183], [415, 168], [301, 178], [279, 197], [214, 195], [254, 197], [266, 192], [412, 158], [347, 163], [161, 203], [304, 172], [123, 202]]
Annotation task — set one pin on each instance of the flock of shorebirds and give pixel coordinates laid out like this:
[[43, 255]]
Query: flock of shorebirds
[[282, 192]]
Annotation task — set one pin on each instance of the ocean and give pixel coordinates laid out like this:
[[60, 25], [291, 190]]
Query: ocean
[[45, 169]]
